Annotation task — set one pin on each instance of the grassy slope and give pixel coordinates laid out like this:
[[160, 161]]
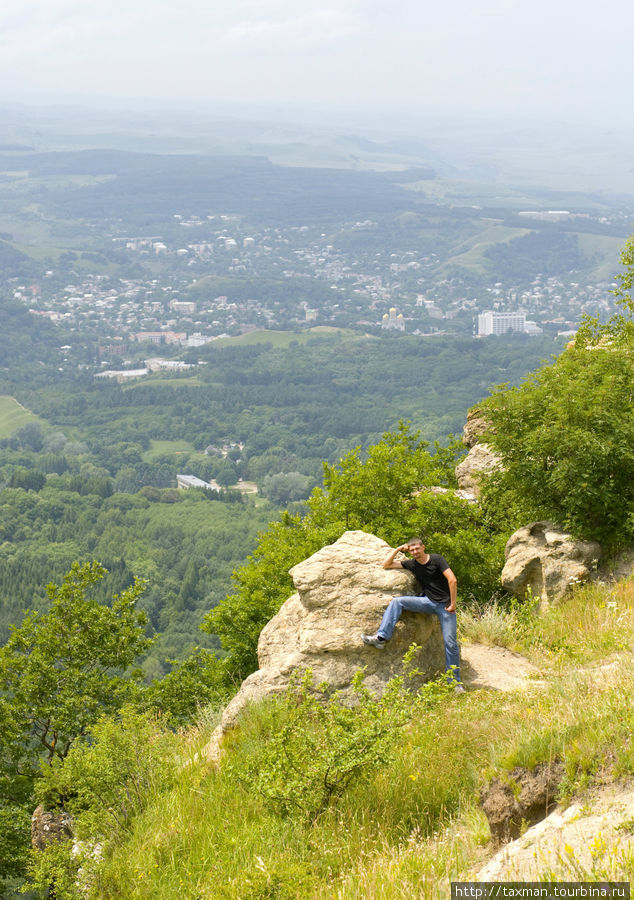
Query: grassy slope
[[13, 416], [407, 831], [470, 254]]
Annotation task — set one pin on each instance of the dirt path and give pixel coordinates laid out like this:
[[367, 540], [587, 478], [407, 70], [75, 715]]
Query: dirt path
[[495, 668]]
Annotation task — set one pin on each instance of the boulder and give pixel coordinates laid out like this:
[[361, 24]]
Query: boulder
[[546, 561], [342, 591], [479, 461], [49, 827]]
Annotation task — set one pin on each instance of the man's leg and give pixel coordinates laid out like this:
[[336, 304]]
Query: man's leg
[[398, 605], [452, 648]]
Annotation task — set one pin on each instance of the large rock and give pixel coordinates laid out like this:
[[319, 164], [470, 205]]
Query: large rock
[[475, 426], [342, 591], [545, 561], [479, 462]]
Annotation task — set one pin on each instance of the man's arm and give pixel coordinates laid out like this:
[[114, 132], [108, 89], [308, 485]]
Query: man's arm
[[390, 562], [453, 589]]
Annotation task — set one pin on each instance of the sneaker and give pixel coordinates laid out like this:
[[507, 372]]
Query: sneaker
[[374, 641], [459, 689]]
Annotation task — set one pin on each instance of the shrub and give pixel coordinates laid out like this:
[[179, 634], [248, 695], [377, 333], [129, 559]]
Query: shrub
[[320, 746]]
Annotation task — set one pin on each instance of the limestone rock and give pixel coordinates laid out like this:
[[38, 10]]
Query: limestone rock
[[474, 428], [479, 461], [547, 560], [48, 827], [342, 591]]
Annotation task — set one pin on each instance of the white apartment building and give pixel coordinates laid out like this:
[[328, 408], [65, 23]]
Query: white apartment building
[[501, 322]]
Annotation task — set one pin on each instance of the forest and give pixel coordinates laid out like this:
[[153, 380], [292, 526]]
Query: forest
[[93, 474]]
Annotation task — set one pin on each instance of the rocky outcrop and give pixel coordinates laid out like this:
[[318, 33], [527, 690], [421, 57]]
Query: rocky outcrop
[[481, 460], [475, 426], [49, 827], [544, 561], [342, 591], [521, 799]]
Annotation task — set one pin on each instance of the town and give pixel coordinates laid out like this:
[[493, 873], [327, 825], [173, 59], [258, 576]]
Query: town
[[220, 276]]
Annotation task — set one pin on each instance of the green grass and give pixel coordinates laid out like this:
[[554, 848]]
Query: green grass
[[285, 338], [172, 380], [605, 251], [472, 256], [411, 828], [13, 416], [159, 448]]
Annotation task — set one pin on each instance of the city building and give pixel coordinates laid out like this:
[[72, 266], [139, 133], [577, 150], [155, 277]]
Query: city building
[[500, 322], [393, 320], [191, 481]]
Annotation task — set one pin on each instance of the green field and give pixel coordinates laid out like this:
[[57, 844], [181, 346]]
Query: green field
[[605, 250], [158, 448], [13, 416], [284, 338]]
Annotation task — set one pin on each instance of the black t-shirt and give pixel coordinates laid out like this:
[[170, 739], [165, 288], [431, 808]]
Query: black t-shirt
[[430, 576]]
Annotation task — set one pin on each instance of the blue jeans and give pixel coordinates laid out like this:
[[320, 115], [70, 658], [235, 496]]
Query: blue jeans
[[424, 605]]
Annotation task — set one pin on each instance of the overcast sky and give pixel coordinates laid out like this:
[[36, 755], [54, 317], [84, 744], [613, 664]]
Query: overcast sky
[[528, 57]]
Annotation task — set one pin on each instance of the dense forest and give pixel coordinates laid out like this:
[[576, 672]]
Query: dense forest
[[93, 473]]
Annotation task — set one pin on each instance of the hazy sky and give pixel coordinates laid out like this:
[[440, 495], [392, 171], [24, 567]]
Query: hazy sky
[[537, 57]]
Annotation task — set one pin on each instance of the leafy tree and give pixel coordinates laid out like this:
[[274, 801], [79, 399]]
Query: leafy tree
[[193, 683], [226, 473], [29, 436], [566, 434], [58, 673], [371, 492], [284, 487], [28, 479], [61, 670]]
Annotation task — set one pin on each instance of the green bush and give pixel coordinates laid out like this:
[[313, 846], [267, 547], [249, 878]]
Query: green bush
[[107, 780], [318, 746]]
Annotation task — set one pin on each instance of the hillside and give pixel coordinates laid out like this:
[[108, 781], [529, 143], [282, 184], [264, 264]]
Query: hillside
[[413, 824]]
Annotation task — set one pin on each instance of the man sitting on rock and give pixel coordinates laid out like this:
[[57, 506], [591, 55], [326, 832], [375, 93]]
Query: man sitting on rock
[[439, 588]]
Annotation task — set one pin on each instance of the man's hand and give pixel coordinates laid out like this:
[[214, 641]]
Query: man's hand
[[453, 590], [391, 562]]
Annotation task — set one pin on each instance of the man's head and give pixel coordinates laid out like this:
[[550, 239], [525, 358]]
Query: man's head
[[416, 547]]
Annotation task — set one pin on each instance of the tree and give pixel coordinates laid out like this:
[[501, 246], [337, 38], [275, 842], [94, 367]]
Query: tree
[[566, 434], [28, 479], [29, 436], [284, 487], [61, 670], [226, 474]]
